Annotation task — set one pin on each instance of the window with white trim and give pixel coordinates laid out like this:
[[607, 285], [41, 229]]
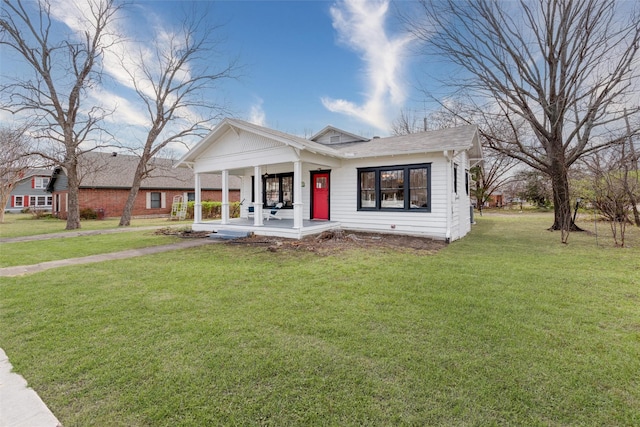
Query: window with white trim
[[18, 201], [41, 182], [155, 200], [40, 201], [405, 187]]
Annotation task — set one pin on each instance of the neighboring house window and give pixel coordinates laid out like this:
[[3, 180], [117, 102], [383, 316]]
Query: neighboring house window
[[276, 189], [41, 201], [455, 178], [18, 201], [156, 200], [191, 196], [40, 182], [404, 187]]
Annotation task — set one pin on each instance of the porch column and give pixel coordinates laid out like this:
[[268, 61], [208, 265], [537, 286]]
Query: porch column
[[197, 207], [257, 203], [297, 194], [225, 197]]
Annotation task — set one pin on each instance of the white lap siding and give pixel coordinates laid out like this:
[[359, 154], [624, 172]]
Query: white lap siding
[[344, 200]]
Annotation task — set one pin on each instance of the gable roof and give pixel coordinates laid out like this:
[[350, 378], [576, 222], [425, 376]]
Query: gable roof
[[450, 139], [109, 170], [332, 129], [238, 126], [31, 172]]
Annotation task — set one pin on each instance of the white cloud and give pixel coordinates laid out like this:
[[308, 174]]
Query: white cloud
[[124, 112], [124, 57], [360, 24], [257, 115]]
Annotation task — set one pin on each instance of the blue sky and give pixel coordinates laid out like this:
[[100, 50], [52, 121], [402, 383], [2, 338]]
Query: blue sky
[[301, 64], [306, 64]]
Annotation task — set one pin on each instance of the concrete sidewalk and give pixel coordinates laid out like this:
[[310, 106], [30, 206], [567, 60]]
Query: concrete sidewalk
[[21, 270], [78, 233], [20, 406]]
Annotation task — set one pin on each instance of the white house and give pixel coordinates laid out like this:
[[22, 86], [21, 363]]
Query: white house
[[415, 184]]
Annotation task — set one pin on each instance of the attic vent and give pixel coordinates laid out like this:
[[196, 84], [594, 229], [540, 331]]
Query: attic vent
[[335, 139]]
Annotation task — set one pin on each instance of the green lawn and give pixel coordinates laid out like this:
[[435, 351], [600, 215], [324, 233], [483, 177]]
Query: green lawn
[[18, 225], [34, 252], [505, 327]]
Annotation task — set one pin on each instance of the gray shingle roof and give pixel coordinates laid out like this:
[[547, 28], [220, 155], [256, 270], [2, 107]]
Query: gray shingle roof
[[457, 139], [451, 139], [104, 170]]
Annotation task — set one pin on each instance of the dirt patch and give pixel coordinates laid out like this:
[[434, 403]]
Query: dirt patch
[[185, 233], [330, 242]]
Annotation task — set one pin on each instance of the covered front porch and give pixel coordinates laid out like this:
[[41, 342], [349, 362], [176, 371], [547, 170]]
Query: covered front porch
[[278, 228], [277, 171]]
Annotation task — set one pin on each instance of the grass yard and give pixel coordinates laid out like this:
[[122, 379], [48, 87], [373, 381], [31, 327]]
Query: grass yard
[[18, 225], [505, 327], [34, 252]]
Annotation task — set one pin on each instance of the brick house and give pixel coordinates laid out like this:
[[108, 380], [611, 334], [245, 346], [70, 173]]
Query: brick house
[[106, 178]]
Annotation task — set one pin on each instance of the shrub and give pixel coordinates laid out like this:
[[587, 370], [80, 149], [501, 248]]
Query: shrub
[[213, 210], [88, 213]]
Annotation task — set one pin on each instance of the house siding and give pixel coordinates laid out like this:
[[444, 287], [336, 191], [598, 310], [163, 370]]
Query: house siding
[[344, 200], [25, 188], [233, 151]]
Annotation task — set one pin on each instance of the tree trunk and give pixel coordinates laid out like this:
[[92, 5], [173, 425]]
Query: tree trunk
[[4, 199], [73, 208], [125, 219], [633, 202], [563, 220]]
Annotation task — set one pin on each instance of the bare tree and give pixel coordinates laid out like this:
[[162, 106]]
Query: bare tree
[[491, 176], [407, 123], [495, 170], [55, 94], [15, 161], [173, 84], [613, 187], [563, 67]]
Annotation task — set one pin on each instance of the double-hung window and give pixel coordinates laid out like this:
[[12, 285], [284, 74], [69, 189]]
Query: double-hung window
[[405, 187], [40, 182], [40, 201], [156, 200]]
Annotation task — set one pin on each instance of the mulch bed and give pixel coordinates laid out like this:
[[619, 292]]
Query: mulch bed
[[324, 243], [336, 240]]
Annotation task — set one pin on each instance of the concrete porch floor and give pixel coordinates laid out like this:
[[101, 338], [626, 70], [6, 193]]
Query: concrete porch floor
[[274, 227]]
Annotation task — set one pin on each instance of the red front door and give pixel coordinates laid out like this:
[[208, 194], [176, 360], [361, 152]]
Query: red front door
[[320, 195]]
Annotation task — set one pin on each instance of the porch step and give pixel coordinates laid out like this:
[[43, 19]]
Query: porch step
[[229, 234]]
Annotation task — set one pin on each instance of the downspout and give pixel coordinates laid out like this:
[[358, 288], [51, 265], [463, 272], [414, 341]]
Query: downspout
[[449, 206]]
